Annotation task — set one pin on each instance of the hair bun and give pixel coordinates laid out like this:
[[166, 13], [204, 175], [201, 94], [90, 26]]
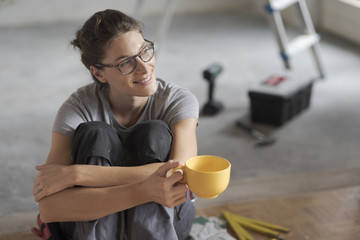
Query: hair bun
[[76, 41]]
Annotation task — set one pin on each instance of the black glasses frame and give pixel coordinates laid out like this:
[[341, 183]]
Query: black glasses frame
[[149, 43]]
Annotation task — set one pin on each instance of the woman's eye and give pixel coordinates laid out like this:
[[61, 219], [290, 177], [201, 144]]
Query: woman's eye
[[146, 50], [125, 63]]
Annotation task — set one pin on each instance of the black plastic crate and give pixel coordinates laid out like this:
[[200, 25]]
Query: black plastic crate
[[278, 99]]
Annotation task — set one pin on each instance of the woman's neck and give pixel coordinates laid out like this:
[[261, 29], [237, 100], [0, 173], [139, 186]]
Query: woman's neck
[[127, 109]]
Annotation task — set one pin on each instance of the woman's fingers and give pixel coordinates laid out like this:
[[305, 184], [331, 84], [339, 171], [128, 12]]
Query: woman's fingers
[[38, 196], [177, 199], [36, 189], [175, 195], [38, 192], [162, 171], [175, 178], [46, 182], [39, 167]]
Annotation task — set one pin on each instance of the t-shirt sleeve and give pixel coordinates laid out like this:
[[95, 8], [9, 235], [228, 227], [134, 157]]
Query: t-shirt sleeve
[[182, 104], [68, 117]]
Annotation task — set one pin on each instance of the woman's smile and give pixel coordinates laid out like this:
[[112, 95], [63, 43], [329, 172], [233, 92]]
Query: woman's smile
[[145, 81]]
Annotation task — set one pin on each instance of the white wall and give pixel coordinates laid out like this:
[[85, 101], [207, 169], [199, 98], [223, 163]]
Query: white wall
[[20, 12], [342, 18]]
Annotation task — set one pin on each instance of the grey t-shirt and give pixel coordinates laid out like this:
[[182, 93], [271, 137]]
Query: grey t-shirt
[[171, 103]]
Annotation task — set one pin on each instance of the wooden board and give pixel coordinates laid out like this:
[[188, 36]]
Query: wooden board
[[325, 215]]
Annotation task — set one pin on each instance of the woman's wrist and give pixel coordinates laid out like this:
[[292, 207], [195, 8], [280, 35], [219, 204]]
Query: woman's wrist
[[143, 191], [74, 175]]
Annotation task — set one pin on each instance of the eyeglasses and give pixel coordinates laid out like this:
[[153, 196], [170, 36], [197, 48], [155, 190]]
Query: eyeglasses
[[129, 64]]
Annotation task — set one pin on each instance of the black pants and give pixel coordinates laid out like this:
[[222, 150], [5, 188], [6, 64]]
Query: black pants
[[97, 143], [147, 142]]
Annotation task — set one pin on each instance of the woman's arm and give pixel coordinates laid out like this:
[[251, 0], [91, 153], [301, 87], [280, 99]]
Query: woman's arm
[[184, 143], [74, 204], [57, 174]]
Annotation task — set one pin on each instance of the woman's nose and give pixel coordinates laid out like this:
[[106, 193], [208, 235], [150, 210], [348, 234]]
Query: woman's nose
[[141, 66]]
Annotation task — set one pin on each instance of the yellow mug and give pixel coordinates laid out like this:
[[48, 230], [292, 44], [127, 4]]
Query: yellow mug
[[207, 176]]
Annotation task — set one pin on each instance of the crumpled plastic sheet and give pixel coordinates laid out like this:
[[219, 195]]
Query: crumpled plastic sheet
[[211, 228]]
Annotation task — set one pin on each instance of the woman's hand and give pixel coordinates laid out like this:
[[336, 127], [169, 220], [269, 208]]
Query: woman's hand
[[51, 179], [165, 190]]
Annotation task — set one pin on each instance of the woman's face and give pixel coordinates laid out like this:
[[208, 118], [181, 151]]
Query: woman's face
[[140, 82]]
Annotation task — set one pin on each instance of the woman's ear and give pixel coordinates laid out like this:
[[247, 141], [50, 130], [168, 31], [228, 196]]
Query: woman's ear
[[98, 74]]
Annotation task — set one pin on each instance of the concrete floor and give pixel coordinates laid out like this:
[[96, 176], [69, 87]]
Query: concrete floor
[[39, 71]]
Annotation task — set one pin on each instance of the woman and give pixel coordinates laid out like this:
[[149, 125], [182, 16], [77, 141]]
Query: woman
[[139, 125]]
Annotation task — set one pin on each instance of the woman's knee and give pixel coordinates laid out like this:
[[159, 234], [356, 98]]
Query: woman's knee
[[96, 139], [153, 130], [150, 142]]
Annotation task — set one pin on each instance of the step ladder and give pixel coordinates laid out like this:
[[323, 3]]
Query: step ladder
[[309, 39]]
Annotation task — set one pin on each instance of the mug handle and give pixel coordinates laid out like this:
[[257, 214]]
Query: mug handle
[[183, 170]]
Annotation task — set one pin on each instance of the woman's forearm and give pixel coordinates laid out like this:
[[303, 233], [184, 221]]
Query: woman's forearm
[[100, 176], [85, 204]]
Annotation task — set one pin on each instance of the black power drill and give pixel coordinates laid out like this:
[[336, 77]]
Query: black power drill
[[212, 107]]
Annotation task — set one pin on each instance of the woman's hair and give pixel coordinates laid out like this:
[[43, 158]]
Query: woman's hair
[[97, 33]]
